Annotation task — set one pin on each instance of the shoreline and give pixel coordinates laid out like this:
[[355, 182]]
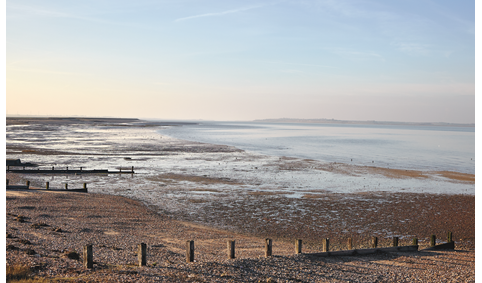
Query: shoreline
[[316, 215]]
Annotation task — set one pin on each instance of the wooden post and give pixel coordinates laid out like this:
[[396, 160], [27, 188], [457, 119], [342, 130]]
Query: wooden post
[[66, 186], [132, 169], [189, 251], [47, 185], [415, 242], [80, 169], [326, 245], [298, 246], [350, 243], [449, 237], [374, 243], [141, 254], [395, 241], [67, 168], [28, 184], [432, 240], [88, 257], [85, 186], [268, 248], [52, 168], [231, 249]]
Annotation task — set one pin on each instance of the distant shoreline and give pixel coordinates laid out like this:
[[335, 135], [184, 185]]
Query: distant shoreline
[[353, 122], [90, 120], [69, 120]]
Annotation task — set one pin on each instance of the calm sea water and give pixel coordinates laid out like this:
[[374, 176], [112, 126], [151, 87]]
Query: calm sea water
[[401, 147]]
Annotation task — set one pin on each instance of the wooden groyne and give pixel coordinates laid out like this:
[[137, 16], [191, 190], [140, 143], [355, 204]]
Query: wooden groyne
[[355, 252], [47, 187], [66, 170], [268, 250]]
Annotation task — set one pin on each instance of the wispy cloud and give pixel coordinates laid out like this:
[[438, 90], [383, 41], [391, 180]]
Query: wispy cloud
[[413, 48], [296, 64], [357, 55], [408, 32], [233, 11]]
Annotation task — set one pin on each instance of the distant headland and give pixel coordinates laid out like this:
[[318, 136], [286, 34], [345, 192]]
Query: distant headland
[[353, 122]]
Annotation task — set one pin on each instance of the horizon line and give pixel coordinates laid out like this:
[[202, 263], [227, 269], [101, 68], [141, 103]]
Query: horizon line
[[332, 120]]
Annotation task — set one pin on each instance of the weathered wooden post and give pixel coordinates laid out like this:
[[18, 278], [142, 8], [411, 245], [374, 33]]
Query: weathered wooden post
[[85, 187], [52, 168], [132, 169], [374, 243], [350, 243], [142, 254], [432, 240], [415, 242], [120, 169], [47, 185], [231, 249], [449, 237], [88, 257], [395, 241], [28, 184], [66, 186], [326, 245], [298, 246], [80, 169], [268, 251], [189, 251]]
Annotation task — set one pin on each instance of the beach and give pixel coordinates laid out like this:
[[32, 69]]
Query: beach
[[56, 223], [184, 190]]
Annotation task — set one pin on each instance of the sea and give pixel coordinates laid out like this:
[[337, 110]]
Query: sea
[[417, 147]]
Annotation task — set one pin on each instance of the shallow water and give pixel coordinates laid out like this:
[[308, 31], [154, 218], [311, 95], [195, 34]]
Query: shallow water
[[433, 148]]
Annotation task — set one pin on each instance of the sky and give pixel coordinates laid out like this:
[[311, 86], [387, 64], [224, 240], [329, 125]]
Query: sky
[[381, 60]]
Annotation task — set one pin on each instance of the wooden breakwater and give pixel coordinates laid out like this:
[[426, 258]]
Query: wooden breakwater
[[47, 187], [268, 250], [66, 170]]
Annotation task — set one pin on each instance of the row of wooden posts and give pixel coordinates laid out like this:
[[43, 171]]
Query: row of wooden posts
[[47, 185], [67, 170], [268, 249]]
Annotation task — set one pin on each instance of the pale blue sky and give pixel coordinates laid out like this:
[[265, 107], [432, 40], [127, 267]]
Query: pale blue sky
[[243, 60]]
